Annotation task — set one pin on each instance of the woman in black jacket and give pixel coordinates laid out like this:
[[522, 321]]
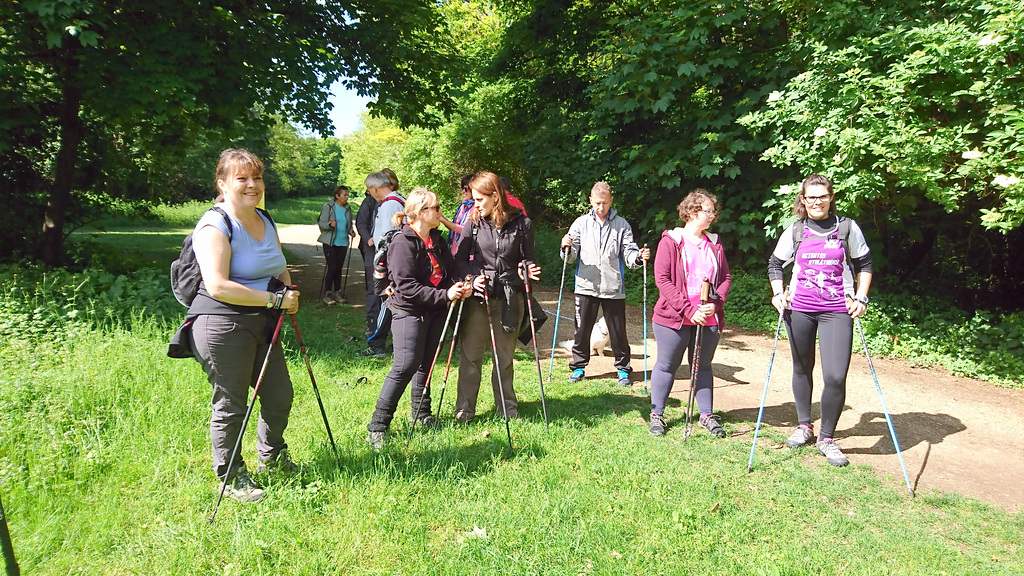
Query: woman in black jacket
[[421, 269], [495, 241]]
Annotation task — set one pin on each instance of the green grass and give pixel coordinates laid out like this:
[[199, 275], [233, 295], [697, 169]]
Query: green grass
[[105, 469]]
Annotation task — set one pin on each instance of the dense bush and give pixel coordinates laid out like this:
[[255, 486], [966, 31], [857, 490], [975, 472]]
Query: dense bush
[[40, 304]]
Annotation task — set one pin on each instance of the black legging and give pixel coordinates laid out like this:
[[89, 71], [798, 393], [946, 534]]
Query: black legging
[[416, 339], [335, 256], [835, 334]]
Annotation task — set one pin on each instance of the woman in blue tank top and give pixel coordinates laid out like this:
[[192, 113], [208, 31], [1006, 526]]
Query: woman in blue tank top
[[828, 289], [244, 288]]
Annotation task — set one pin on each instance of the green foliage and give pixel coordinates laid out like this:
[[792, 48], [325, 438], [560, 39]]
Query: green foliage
[[302, 164], [54, 305]]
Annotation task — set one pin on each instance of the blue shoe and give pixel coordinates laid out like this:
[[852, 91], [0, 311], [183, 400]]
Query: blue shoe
[[624, 379], [576, 375]]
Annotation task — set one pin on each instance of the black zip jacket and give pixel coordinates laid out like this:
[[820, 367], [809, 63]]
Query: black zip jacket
[[409, 268], [496, 252]]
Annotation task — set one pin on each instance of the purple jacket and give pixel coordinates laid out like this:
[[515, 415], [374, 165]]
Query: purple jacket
[[670, 276]]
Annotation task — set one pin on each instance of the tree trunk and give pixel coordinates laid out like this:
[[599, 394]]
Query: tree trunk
[[52, 249]]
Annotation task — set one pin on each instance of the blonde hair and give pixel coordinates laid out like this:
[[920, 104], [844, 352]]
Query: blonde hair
[[418, 199], [233, 161]]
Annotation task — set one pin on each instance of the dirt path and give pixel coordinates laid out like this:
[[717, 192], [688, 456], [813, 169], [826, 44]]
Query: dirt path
[[957, 435]]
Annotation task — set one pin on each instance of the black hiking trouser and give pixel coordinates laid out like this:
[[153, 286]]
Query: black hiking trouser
[[614, 317], [416, 339], [835, 341]]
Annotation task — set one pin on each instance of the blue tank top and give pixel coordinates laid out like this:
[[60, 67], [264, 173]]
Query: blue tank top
[[253, 263]]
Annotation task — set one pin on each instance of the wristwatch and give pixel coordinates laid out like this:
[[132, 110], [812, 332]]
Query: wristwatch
[[862, 299]]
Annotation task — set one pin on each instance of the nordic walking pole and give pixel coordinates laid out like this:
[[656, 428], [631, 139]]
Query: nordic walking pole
[[348, 266], [451, 349], [888, 419], [430, 373], [645, 324], [5, 541], [558, 313], [309, 368], [497, 370], [533, 329], [248, 413], [764, 395], [695, 364]]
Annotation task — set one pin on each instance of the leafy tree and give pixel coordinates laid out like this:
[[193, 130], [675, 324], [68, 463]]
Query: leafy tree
[[145, 76]]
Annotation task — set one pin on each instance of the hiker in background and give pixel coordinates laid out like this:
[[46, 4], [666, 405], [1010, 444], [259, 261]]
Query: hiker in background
[[686, 257], [497, 240], [336, 230], [603, 242], [457, 222], [364, 225], [512, 200], [828, 252], [244, 282], [391, 203], [421, 268]]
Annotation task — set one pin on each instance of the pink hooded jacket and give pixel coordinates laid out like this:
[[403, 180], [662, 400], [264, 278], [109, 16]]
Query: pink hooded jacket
[[670, 276]]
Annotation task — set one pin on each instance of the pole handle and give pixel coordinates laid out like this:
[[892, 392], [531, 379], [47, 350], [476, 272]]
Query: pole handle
[[705, 289]]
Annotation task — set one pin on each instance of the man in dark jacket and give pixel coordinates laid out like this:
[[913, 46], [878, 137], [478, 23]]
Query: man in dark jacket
[[364, 225]]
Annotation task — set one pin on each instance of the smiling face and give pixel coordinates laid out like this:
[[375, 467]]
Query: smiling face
[[341, 198], [817, 201], [243, 187]]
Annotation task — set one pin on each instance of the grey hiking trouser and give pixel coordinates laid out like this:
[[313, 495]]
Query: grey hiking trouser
[[475, 339], [231, 349], [671, 346]]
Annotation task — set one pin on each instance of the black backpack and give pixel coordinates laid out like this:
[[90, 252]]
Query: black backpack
[[382, 284], [185, 274]]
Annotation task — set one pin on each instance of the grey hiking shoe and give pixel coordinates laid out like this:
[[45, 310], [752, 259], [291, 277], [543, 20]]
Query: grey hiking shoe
[[376, 440], [657, 424], [243, 488], [830, 450], [800, 437], [576, 375], [371, 352], [713, 424], [624, 379], [282, 464]]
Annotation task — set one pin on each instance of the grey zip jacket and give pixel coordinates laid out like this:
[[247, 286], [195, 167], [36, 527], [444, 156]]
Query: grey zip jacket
[[604, 252], [326, 232]]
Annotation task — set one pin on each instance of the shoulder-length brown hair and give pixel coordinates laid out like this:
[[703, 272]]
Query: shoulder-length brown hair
[[487, 183], [800, 209], [232, 161]]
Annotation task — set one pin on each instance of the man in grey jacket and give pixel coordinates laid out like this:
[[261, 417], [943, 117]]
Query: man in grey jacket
[[604, 244]]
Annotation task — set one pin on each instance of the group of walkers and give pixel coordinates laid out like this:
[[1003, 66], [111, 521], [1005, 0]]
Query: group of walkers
[[483, 270]]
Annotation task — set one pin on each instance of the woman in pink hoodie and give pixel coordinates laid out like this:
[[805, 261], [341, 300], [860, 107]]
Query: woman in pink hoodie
[[687, 257]]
